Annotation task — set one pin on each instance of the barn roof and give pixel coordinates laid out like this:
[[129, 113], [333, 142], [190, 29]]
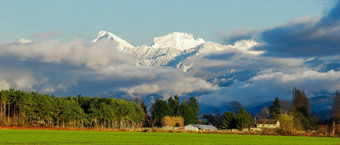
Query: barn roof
[[266, 121], [207, 127]]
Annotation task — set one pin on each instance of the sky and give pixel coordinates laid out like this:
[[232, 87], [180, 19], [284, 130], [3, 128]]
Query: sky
[[139, 22], [248, 51]]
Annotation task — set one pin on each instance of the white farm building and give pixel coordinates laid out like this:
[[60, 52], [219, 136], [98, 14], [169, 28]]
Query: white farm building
[[267, 123]]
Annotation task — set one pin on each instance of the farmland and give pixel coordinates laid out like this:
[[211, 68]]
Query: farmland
[[19, 136]]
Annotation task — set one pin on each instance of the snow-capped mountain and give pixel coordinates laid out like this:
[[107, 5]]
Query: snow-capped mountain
[[181, 41], [180, 50], [164, 48], [120, 43], [173, 49]]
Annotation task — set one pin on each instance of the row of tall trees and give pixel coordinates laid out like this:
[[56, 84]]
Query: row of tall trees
[[187, 109], [20, 108]]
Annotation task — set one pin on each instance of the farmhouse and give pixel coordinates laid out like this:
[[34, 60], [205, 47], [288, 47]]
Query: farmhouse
[[267, 123], [196, 127]]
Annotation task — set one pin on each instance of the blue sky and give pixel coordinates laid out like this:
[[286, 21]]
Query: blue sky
[[139, 21]]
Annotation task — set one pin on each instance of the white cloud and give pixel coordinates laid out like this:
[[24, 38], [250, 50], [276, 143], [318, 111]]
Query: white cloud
[[238, 59], [4, 85], [95, 64], [269, 84], [17, 78], [168, 87], [75, 52]]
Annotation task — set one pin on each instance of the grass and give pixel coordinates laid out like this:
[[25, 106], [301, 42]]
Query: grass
[[51, 137]]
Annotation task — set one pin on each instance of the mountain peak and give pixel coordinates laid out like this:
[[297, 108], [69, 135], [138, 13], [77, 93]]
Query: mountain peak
[[177, 40], [107, 35]]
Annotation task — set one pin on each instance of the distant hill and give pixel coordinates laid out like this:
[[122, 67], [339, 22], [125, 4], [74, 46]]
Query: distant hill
[[321, 106]]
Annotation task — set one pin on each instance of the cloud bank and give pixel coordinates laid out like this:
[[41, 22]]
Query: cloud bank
[[69, 67]]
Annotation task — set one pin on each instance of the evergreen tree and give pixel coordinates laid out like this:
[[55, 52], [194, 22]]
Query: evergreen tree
[[174, 105], [143, 106], [243, 119], [194, 107], [187, 114], [160, 110], [228, 120], [275, 109]]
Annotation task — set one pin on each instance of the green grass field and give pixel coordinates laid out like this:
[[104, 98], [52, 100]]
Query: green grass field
[[48, 137]]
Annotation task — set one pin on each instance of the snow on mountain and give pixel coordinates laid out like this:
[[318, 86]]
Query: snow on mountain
[[121, 44], [23, 40], [181, 41], [146, 55], [174, 49]]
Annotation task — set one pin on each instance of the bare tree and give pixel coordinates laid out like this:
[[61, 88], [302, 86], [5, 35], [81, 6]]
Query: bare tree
[[214, 119], [265, 111], [235, 106], [286, 106]]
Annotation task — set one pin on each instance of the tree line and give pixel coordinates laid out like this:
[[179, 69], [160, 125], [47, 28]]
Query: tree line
[[21, 108]]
